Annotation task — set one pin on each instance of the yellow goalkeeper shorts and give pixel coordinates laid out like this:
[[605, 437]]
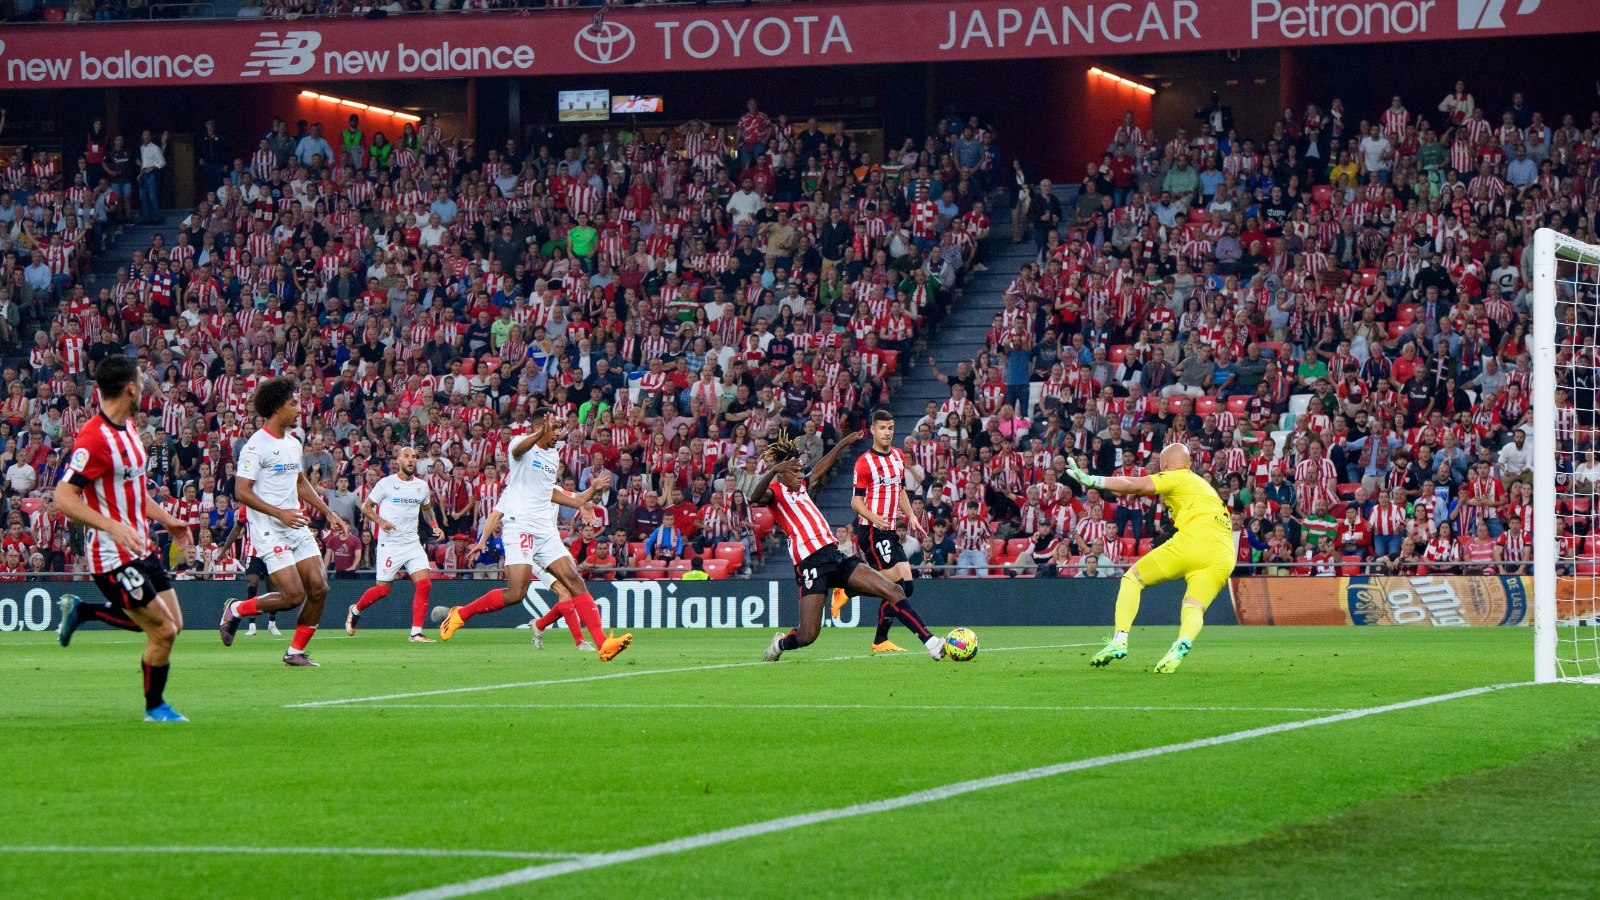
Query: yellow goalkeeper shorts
[[1204, 561]]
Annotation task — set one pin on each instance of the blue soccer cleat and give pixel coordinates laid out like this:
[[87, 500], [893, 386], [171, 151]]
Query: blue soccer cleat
[[69, 618], [163, 713]]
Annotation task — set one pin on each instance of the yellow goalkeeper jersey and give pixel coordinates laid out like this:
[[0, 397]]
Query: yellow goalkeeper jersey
[[1196, 508]]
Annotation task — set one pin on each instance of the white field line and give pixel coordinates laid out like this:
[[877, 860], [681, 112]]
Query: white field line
[[292, 851], [931, 795], [847, 706], [607, 677]]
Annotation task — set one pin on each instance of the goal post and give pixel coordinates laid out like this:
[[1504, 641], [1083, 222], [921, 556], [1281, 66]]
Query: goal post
[[1565, 302]]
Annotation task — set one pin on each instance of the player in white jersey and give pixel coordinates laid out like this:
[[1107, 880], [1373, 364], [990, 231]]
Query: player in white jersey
[[395, 504], [532, 535], [271, 486]]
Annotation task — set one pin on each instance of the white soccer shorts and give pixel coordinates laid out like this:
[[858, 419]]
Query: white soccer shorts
[[280, 548], [539, 549], [410, 558]]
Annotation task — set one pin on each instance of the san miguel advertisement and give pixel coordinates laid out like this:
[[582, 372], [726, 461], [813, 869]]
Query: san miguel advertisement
[[1442, 600], [650, 38]]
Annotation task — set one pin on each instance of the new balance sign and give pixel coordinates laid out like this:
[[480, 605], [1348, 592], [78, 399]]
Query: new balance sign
[[292, 54]]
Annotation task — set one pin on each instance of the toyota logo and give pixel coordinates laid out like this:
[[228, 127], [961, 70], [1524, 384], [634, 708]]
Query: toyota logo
[[604, 43]]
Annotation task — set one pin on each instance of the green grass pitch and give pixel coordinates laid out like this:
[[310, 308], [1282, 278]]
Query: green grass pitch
[[1487, 795]]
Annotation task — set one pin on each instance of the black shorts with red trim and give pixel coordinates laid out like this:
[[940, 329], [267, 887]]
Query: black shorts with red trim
[[134, 585], [879, 547], [256, 567], [825, 570]]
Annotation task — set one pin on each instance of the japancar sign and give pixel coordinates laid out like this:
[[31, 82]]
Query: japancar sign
[[651, 37]]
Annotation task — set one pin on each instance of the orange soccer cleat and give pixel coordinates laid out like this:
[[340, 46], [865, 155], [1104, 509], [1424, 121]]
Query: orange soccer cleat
[[840, 598], [451, 623], [613, 646]]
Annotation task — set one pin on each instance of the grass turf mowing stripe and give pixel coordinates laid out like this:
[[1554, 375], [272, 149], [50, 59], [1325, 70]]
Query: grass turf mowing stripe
[[295, 851], [842, 706], [612, 675], [931, 795]]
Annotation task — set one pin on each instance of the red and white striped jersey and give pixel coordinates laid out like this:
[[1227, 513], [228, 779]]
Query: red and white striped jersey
[[880, 477], [973, 533], [801, 520], [108, 465]]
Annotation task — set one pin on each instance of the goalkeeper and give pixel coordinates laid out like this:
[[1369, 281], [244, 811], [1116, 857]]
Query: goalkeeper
[[1201, 553]]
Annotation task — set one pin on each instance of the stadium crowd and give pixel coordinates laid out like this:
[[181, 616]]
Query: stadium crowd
[[1332, 316], [677, 297]]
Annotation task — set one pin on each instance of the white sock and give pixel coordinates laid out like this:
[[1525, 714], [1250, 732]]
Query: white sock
[[415, 630], [1120, 636], [932, 642], [293, 650]]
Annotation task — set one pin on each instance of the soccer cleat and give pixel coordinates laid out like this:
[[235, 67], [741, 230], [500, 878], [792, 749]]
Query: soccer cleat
[[163, 713], [272, 627], [351, 620], [935, 647], [229, 626], [888, 647], [420, 638], [251, 630], [774, 649], [1169, 663], [840, 598], [584, 647], [538, 635], [1114, 649], [69, 618], [298, 659], [451, 622], [614, 645]]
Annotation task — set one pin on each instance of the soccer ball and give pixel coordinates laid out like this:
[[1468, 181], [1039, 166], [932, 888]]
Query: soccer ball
[[438, 613], [961, 645]]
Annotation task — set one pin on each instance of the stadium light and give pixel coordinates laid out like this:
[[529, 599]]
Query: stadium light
[[1120, 80], [379, 110]]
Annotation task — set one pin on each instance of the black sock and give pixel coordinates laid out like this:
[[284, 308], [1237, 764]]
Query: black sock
[[101, 611], [885, 620], [155, 681], [790, 641], [909, 618]]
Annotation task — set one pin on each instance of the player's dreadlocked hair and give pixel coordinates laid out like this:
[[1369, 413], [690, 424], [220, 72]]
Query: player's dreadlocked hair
[[782, 447]]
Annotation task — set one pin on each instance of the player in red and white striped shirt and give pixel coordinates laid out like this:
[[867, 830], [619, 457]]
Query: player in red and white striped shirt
[[880, 498], [819, 566], [105, 491]]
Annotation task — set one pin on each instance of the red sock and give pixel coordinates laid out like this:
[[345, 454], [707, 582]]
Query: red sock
[[569, 614], [489, 602], [373, 595], [244, 609], [302, 637], [419, 602], [549, 618], [590, 614]]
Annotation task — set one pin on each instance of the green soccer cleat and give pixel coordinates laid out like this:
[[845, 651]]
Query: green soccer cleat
[[1114, 649], [1169, 663]]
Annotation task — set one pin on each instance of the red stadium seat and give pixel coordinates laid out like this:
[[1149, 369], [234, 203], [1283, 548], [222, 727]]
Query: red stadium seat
[[1239, 405], [652, 570], [1130, 546], [719, 569], [1146, 545], [677, 567], [1405, 312], [1175, 404], [731, 552], [1581, 505], [891, 361], [1118, 353], [1322, 195], [762, 521], [1152, 406], [1275, 348], [1348, 490], [1015, 546], [1369, 277], [30, 505], [1396, 329], [1205, 406], [1348, 571], [997, 551], [636, 549], [469, 366]]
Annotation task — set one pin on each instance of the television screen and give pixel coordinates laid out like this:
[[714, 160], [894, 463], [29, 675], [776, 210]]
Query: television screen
[[634, 104], [583, 106]]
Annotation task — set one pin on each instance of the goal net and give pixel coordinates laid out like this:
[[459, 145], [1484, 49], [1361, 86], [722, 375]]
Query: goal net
[[1566, 458]]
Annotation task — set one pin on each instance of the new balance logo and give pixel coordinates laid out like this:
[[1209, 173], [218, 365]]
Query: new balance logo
[[1475, 14], [294, 53]]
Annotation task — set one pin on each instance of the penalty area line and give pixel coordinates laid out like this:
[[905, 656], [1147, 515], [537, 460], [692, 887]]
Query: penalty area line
[[850, 706], [931, 795], [293, 851], [606, 677]]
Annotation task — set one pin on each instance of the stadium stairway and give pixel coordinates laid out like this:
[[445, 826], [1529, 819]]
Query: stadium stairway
[[121, 244], [958, 338]]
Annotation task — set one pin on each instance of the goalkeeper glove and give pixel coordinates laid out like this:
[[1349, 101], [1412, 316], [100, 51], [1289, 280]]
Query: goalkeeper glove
[[1082, 477]]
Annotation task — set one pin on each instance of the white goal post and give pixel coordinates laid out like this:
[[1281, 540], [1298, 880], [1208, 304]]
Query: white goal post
[[1566, 564]]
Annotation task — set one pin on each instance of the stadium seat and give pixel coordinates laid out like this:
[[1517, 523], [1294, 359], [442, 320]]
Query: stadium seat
[[1369, 277], [1146, 545], [1152, 406], [636, 549], [1129, 546], [1205, 406], [1348, 490], [1349, 571], [1175, 404], [1396, 329], [891, 361], [1015, 546], [997, 551], [652, 570], [677, 567], [1239, 405], [719, 569], [1581, 505], [1118, 353], [1271, 349], [1322, 194], [469, 366], [1298, 404], [1406, 313], [731, 552], [762, 521], [30, 505]]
